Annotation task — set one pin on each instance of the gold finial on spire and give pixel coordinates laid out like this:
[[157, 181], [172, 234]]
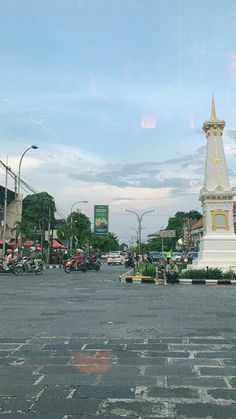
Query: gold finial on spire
[[213, 109]]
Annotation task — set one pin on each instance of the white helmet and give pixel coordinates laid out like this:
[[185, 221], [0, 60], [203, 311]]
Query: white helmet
[[32, 249]]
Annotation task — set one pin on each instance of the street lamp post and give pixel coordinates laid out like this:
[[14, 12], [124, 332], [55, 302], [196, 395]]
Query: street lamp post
[[34, 147], [139, 219], [71, 220]]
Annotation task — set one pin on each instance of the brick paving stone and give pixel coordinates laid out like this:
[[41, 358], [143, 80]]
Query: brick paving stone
[[18, 378], [205, 410], [193, 362], [228, 362], [193, 347], [18, 390], [52, 361], [166, 354], [63, 369], [8, 404], [57, 391], [141, 361], [131, 381], [132, 408], [212, 382], [29, 416], [166, 340], [62, 347], [229, 394], [9, 346], [23, 353], [3, 354], [216, 354], [103, 346], [99, 417], [73, 379], [15, 340], [207, 341], [218, 371], [170, 393], [104, 392], [170, 370], [143, 347], [233, 382], [124, 371], [66, 406]]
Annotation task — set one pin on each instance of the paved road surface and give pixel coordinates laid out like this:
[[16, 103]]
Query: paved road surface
[[87, 346]]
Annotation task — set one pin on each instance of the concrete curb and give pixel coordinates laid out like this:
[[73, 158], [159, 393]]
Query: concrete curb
[[130, 280], [53, 266]]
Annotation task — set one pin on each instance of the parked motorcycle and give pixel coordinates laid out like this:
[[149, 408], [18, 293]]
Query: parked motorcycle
[[73, 265], [14, 268], [32, 267]]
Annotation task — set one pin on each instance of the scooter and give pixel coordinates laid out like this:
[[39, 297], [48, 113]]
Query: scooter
[[14, 268], [33, 267], [73, 265], [129, 263]]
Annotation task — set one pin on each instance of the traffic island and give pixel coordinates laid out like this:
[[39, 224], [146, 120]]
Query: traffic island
[[138, 279]]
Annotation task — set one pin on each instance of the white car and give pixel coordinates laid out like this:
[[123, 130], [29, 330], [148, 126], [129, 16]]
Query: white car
[[176, 256], [115, 258]]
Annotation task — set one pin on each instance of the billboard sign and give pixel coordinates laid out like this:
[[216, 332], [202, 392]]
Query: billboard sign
[[101, 218], [167, 233]]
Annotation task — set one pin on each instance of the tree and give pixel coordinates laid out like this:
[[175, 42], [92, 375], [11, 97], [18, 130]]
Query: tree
[[25, 229], [76, 228], [154, 244], [104, 242], [180, 223], [39, 210]]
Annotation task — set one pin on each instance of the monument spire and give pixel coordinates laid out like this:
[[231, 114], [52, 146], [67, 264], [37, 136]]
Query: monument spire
[[216, 173], [213, 110]]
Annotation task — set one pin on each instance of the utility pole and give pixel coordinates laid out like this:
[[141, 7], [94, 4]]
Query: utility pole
[[5, 212]]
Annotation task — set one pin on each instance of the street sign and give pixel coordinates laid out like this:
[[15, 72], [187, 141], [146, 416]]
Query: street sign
[[167, 233]]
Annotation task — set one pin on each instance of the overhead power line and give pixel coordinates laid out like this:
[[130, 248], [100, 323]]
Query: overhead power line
[[24, 185]]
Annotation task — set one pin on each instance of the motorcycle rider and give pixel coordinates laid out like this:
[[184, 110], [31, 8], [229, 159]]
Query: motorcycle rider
[[130, 260], [7, 259], [79, 257], [31, 258], [15, 255]]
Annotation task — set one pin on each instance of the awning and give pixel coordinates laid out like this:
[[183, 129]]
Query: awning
[[55, 244]]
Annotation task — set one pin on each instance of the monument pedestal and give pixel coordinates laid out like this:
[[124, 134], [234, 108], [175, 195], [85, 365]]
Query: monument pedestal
[[216, 251]]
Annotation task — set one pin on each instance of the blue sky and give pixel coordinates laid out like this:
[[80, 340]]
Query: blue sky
[[114, 93]]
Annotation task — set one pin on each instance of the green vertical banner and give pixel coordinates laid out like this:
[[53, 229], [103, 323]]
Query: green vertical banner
[[101, 216]]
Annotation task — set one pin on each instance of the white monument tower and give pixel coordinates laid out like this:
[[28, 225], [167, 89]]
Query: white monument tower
[[218, 244]]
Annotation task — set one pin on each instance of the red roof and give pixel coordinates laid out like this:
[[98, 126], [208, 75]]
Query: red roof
[[197, 224], [55, 244]]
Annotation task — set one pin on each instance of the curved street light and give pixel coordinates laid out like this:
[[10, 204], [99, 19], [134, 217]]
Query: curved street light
[[34, 147], [139, 219], [71, 221]]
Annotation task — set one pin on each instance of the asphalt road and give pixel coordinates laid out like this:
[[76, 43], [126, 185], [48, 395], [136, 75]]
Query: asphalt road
[[84, 345]]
